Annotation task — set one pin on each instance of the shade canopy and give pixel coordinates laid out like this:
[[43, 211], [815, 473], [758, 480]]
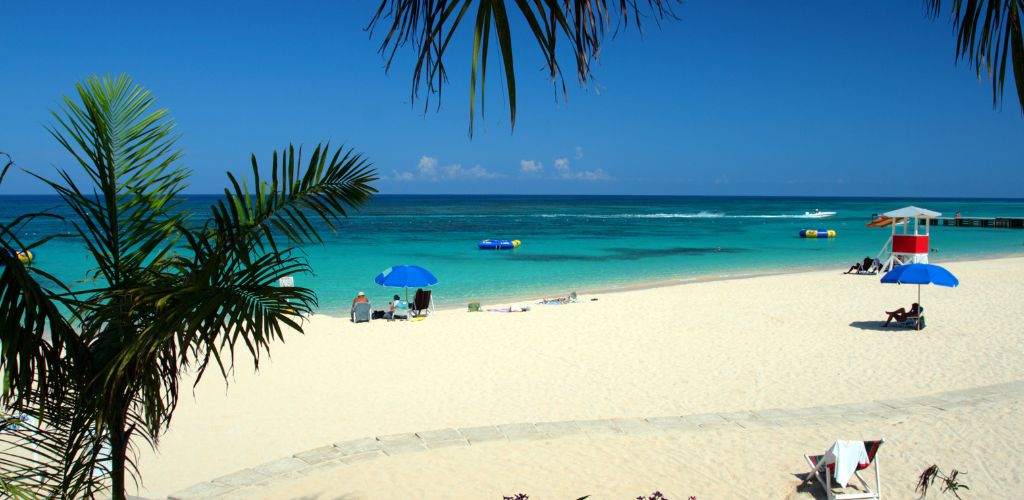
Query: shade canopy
[[912, 212], [405, 276], [921, 274]]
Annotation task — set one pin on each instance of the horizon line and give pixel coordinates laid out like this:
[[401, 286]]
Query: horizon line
[[635, 195]]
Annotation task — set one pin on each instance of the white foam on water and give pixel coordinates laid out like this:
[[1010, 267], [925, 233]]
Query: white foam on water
[[698, 215]]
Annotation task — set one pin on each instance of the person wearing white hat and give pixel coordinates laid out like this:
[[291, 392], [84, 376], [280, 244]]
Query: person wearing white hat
[[360, 297]]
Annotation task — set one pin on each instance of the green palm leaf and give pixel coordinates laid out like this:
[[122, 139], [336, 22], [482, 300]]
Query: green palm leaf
[[428, 26], [988, 36]]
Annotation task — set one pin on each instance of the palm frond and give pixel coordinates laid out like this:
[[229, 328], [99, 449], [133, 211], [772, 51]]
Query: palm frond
[[49, 449], [989, 37], [428, 26], [326, 189], [35, 337], [128, 152]]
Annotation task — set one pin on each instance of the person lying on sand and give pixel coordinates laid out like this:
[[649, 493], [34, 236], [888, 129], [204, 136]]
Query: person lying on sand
[[901, 314], [560, 300]]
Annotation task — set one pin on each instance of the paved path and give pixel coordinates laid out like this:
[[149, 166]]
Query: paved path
[[376, 448]]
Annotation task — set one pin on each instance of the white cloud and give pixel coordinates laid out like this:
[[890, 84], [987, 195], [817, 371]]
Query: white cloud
[[428, 167], [402, 176], [562, 165], [579, 153], [587, 175], [565, 171], [530, 166], [475, 172]]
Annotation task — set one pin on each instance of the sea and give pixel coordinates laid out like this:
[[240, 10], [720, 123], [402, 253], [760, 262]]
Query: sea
[[573, 243]]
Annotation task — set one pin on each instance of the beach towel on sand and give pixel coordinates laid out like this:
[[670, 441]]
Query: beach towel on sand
[[846, 455], [510, 309]]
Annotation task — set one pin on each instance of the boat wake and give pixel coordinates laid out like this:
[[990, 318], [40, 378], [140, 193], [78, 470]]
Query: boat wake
[[698, 215]]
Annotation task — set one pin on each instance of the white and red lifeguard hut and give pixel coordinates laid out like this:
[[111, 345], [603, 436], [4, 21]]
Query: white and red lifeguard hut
[[904, 247]]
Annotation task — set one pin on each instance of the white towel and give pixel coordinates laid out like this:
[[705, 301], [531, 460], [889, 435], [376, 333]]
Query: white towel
[[846, 455]]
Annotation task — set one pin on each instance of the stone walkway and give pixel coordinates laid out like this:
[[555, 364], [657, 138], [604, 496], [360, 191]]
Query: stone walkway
[[375, 448]]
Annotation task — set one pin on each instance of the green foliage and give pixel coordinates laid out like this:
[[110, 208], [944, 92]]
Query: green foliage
[[950, 483], [988, 35], [428, 26], [98, 368]]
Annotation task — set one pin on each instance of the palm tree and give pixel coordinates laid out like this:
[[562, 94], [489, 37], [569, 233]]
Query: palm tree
[[89, 371], [988, 36]]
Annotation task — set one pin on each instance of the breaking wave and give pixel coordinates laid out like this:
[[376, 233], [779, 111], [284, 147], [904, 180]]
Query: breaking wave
[[698, 215]]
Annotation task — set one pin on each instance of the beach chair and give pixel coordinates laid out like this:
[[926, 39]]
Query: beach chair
[[911, 321], [422, 304], [361, 312], [823, 472], [401, 310]]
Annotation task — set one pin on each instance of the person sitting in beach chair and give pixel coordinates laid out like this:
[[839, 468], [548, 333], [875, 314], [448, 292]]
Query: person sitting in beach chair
[[360, 298], [421, 303], [399, 309], [876, 265], [361, 312], [843, 461], [901, 315], [861, 267], [560, 300]]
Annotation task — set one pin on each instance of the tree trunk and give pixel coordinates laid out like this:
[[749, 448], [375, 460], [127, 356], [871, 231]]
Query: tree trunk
[[119, 437]]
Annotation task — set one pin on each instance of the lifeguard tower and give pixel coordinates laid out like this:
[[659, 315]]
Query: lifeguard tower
[[903, 247]]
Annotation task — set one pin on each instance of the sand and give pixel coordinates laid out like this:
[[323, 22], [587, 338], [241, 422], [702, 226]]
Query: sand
[[797, 340]]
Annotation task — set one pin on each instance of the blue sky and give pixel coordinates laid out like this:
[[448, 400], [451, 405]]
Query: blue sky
[[736, 98]]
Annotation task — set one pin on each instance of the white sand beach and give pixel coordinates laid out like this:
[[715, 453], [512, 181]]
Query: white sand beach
[[786, 341]]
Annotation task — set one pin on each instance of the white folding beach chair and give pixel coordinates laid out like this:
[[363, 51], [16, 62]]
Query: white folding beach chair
[[822, 470]]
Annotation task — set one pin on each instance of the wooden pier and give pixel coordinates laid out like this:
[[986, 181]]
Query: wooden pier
[[994, 222], [999, 222]]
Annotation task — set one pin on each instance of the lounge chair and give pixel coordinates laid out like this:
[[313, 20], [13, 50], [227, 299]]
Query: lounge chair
[[401, 310], [361, 312], [823, 472], [912, 321], [865, 266], [422, 304]]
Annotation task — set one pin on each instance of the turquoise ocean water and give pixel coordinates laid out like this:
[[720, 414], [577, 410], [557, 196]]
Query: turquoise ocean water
[[578, 242]]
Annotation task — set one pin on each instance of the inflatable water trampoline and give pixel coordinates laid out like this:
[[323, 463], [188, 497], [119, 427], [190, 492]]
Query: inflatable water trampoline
[[817, 233]]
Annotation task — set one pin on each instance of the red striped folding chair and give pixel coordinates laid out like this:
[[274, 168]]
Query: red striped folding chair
[[824, 472]]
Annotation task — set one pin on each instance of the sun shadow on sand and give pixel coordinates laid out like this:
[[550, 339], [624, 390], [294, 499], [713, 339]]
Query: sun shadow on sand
[[809, 486], [876, 325]]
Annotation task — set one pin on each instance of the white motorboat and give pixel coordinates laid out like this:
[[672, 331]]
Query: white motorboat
[[818, 214]]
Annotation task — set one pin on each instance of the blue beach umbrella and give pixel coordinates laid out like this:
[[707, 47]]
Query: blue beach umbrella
[[404, 277], [921, 274]]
